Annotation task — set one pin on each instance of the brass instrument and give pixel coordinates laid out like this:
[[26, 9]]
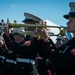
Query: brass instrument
[[16, 25], [62, 29]]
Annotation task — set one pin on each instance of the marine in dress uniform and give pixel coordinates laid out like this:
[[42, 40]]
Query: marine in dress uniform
[[63, 63], [41, 61], [9, 65], [11, 56]]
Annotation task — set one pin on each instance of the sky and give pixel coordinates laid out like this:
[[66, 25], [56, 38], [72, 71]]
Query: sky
[[52, 10]]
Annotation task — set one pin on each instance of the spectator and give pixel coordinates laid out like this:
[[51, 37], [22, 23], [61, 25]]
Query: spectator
[[2, 22]]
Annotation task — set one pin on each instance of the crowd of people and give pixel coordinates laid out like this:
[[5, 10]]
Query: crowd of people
[[38, 55], [4, 25]]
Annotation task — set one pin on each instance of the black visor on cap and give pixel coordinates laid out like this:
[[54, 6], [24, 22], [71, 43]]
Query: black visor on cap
[[29, 20], [71, 14]]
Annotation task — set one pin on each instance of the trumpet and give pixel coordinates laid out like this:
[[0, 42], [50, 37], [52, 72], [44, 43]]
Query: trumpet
[[17, 25], [62, 29]]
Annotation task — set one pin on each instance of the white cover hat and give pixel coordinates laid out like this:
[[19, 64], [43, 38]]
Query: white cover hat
[[30, 17]]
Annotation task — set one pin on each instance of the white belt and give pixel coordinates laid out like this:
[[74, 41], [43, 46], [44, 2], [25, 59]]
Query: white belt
[[10, 61], [2, 57], [25, 60], [39, 57]]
